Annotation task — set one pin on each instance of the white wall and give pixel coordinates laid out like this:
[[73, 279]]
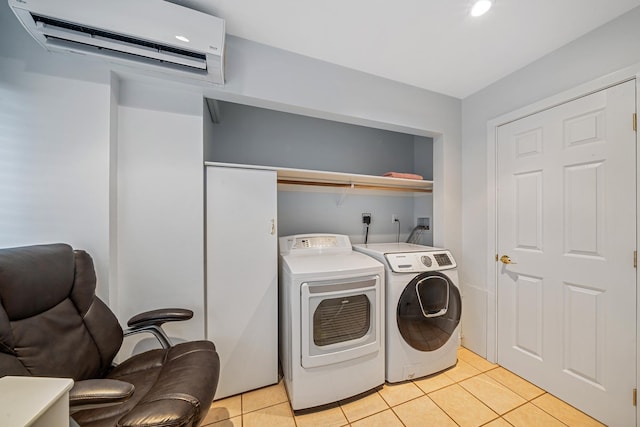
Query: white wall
[[160, 205], [603, 51], [113, 192], [54, 148], [54, 161], [58, 179]]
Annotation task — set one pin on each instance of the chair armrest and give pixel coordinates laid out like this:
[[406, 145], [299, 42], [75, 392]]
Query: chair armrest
[[151, 321], [89, 394], [158, 317]]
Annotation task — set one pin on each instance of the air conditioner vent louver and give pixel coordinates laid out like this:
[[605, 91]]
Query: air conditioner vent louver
[[153, 36], [112, 36]]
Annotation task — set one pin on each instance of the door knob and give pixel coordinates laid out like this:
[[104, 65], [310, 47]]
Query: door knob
[[506, 260]]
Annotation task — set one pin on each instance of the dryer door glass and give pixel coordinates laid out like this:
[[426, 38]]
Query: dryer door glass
[[341, 319], [429, 311]]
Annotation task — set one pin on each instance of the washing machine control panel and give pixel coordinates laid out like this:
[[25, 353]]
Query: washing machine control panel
[[416, 262]]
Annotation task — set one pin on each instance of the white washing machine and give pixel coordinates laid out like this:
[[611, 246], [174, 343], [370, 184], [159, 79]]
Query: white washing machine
[[331, 319], [423, 308]]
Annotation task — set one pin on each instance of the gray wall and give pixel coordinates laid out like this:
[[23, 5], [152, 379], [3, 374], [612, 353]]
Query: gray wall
[[423, 157], [271, 78], [607, 49], [318, 212], [258, 136], [271, 138]]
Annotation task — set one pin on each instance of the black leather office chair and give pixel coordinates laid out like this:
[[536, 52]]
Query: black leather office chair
[[52, 324]]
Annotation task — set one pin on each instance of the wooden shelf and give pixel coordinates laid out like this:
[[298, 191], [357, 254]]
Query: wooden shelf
[[350, 180], [305, 177]]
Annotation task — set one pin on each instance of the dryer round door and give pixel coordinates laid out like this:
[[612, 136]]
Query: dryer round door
[[429, 311]]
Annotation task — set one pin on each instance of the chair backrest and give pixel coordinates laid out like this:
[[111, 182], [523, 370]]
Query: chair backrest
[[51, 322]]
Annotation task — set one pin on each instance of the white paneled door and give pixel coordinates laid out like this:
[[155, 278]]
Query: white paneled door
[[566, 242]]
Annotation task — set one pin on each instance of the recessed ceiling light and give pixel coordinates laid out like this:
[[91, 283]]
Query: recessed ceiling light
[[481, 7], [183, 39]]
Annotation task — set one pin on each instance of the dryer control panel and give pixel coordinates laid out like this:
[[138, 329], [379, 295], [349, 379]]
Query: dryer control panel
[[315, 244], [416, 262]]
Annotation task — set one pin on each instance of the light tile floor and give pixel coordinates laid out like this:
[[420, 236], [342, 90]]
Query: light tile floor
[[472, 393]]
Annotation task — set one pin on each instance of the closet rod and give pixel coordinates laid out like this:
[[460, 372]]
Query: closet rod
[[349, 185]]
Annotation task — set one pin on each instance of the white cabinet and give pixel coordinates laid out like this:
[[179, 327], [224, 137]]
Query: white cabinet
[[242, 276]]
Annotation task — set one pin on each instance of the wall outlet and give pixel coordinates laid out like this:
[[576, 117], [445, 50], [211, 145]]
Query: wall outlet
[[394, 218], [366, 218], [425, 222]]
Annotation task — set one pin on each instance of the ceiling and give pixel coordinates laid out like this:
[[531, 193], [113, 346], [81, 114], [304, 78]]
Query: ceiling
[[431, 44]]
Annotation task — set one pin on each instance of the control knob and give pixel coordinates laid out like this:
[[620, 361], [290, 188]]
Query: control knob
[[426, 260]]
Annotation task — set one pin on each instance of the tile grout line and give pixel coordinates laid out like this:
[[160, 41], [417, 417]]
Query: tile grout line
[[423, 393], [526, 399], [513, 391], [455, 382], [545, 411], [427, 396], [398, 416], [449, 415]]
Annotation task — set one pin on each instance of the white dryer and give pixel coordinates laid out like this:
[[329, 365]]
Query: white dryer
[[423, 308], [331, 319]]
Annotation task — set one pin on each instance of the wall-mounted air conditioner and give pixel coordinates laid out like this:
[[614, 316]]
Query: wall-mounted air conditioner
[[151, 34]]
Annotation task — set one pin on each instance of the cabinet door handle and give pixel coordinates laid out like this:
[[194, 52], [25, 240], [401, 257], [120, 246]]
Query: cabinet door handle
[[273, 227]]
